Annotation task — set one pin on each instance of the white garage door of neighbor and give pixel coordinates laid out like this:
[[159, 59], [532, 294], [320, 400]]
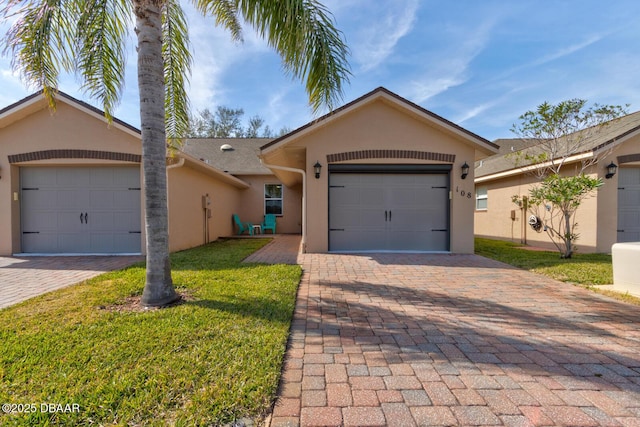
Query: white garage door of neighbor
[[80, 210], [629, 205], [388, 212]]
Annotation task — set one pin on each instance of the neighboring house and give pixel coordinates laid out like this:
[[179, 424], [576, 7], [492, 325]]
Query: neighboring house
[[611, 215], [389, 179]]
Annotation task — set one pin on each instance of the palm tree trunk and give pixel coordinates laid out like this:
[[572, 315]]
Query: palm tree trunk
[[158, 289]]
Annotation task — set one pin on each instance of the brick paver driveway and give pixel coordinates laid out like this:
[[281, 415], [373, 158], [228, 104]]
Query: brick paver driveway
[[22, 278], [405, 340]]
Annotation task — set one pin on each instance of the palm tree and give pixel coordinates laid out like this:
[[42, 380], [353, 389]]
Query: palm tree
[[89, 37]]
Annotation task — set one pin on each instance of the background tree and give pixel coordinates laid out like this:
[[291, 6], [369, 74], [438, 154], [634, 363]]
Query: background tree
[[557, 135], [89, 37], [227, 123]]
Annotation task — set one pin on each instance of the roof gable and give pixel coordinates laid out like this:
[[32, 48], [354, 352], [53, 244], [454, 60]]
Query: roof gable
[[408, 107], [36, 102]]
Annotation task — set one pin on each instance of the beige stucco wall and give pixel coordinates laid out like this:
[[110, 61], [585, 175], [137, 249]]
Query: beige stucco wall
[[597, 216], [381, 126], [497, 222], [251, 208], [67, 128], [186, 187]]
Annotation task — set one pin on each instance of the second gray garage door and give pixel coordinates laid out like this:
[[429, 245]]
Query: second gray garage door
[[81, 210], [388, 211], [629, 204]]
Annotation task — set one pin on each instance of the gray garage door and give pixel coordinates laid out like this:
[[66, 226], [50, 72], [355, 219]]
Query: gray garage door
[[80, 209], [629, 205], [388, 211]]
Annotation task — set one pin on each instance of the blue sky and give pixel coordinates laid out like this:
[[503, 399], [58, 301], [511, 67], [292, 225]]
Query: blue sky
[[478, 63]]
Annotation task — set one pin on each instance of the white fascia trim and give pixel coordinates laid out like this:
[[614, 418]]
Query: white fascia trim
[[22, 106]]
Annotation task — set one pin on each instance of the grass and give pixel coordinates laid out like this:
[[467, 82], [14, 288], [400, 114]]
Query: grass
[[583, 269], [211, 360], [588, 270]]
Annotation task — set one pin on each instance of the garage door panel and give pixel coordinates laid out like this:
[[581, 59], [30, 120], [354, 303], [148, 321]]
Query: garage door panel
[[418, 240], [126, 199], [67, 222], [629, 176], [102, 178], [41, 242], [40, 199], [101, 198], [402, 197], [127, 221], [629, 198], [80, 210], [71, 177], [388, 211], [127, 178], [74, 243], [72, 199], [358, 240]]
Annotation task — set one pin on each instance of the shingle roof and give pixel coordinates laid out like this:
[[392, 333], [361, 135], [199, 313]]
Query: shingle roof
[[240, 159], [504, 160]]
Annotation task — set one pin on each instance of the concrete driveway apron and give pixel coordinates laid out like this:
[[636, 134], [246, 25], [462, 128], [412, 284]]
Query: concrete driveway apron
[[405, 340], [22, 278]]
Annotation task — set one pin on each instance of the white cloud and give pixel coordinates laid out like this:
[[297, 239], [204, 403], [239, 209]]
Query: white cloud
[[431, 86], [214, 55], [450, 68], [376, 40]]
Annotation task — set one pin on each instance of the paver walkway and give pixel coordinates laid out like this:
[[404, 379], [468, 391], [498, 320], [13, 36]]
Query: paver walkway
[[22, 278], [405, 340]]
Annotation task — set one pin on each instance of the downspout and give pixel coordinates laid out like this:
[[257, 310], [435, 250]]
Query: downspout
[[304, 197], [176, 165]]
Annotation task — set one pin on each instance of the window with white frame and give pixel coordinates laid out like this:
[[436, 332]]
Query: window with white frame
[[481, 198], [273, 199]]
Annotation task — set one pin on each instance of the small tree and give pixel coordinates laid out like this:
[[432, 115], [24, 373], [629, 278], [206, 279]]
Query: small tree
[[559, 134]]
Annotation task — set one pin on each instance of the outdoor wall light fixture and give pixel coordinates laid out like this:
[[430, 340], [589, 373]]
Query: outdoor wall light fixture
[[316, 168], [465, 170], [612, 168]]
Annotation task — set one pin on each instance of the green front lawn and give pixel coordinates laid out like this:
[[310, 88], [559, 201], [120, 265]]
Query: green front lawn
[[584, 269], [208, 361]]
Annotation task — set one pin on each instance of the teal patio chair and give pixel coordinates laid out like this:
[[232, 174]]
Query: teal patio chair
[[243, 226], [269, 223]]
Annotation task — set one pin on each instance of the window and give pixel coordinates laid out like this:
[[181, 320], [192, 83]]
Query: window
[[273, 199], [481, 198]]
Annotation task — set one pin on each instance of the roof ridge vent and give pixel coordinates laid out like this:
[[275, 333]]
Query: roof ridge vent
[[226, 147]]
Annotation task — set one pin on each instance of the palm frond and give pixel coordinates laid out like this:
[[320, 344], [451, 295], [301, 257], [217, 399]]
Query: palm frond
[[100, 40], [39, 42], [225, 12], [303, 32], [177, 67]]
